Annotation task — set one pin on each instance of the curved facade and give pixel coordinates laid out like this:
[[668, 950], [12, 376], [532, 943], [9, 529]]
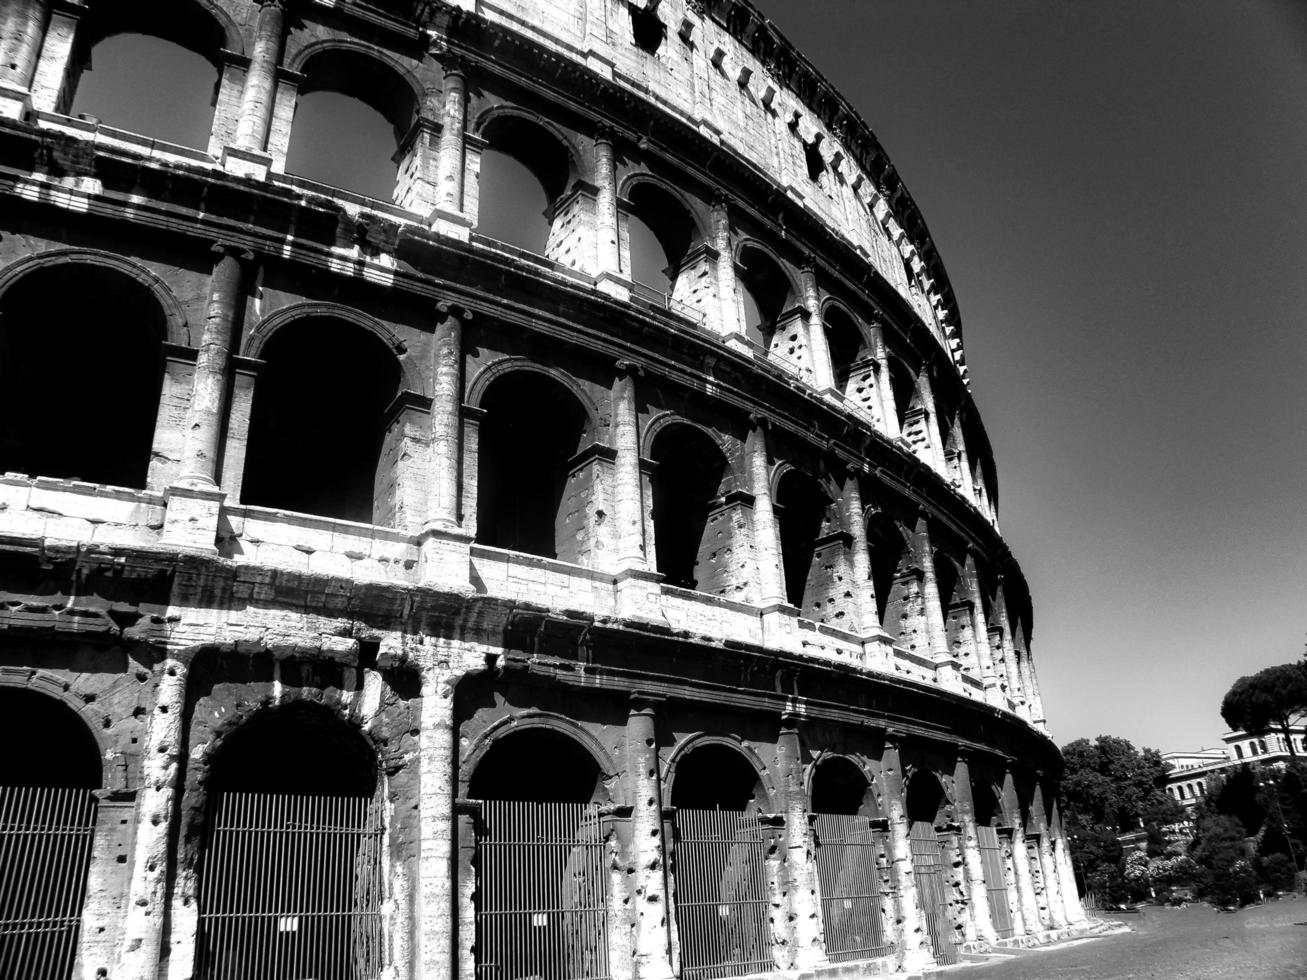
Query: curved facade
[[382, 598]]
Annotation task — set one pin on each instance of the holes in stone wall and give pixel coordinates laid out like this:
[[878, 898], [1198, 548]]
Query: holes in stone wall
[[532, 430], [687, 483], [81, 375], [813, 159], [317, 422], [647, 30], [801, 511]]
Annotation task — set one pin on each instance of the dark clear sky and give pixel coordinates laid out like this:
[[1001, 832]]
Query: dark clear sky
[[1118, 189]]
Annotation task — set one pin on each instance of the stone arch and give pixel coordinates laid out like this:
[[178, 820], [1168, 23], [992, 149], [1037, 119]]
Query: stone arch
[[498, 368], [889, 546], [371, 75], [842, 794], [925, 797], [694, 212], [655, 209], [44, 684], [847, 340], [768, 285], [178, 328], [505, 122], [526, 721], [802, 503], [691, 476], [258, 337], [700, 740], [201, 26]]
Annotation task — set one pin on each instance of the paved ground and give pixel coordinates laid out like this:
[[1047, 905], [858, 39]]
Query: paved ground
[[1266, 942]]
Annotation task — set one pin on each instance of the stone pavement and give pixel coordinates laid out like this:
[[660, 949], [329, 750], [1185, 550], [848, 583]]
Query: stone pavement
[[1266, 942]]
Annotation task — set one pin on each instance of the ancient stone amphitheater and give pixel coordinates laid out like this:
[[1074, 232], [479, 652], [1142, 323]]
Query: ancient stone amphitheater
[[383, 598]]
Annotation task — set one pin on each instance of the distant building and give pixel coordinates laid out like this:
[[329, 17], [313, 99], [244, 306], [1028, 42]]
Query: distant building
[[1191, 771]]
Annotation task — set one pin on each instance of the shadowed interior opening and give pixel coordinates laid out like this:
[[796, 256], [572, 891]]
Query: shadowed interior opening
[[800, 511], [538, 765], [841, 787], [687, 483], [925, 798], [65, 754], [716, 777]]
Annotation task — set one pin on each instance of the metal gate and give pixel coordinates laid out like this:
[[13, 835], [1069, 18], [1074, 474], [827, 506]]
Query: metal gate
[[291, 889], [928, 869], [45, 846], [994, 866], [542, 892], [852, 860], [721, 894]]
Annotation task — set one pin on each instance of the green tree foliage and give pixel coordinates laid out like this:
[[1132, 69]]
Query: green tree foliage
[[1272, 698], [1109, 783], [1227, 875]]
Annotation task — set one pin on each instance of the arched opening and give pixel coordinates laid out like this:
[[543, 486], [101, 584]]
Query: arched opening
[[985, 802], [765, 291], [531, 432], [852, 857], [847, 346], [890, 556], [540, 765], [927, 808], [926, 801], [47, 808], [150, 86], [352, 116], [318, 420], [801, 512], [904, 383], [525, 171], [107, 372], [292, 864], [720, 864], [540, 859], [994, 859], [149, 67], [661, 234], [688, 482]]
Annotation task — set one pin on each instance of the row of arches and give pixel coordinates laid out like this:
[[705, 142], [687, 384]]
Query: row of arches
[[354, 101]]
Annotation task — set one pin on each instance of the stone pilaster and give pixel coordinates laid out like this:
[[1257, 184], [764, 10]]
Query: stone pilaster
[[435, 903], [912, 940], [22, 29], [453, 123], [155, 815], [885, 384], [766, 531], [628, 506], [809, 941], [446, 415], [730, 320], [980, 631], [608, 253], [946, 666], [652, 941], [248, 155], [927, 396], [1075, 911], [823, 372], [981, 915], [1026, 898], [864, 590]]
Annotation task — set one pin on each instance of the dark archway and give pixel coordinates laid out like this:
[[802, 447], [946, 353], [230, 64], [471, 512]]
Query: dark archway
[[533, 427], [904, 383], [766, 293], [353, 113], [539, 765], [926, 800], [801, 513], [688, 482], [846, 343], [890, 556], [717, 777], [47, 810], [661, 234], [839, 786], [292, 863], [318, 420], [81, 369], [525, 170]]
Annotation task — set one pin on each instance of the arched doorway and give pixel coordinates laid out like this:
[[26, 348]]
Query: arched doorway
[[720, 865], [852, 860], [687, 486], [995, 859], [533, 427], [292, 869], [47, 827], [541, 881], [925, 804], [317, 425], [108, 372]]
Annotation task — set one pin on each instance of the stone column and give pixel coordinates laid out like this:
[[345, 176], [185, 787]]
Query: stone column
[[727, 290], [981, 915], [864, 590], [453, 122], [22, 29], [435, 898], [946, 666], [927, 396], [913, 942], [766, 531], [980, 630], [608, 252], [628, 505], [884, 384], [261, 80], [804, 889], [1075, 912], [823, 372], [1052, 882], [653, 957], [205, 418], [1016, 690], [1031, 680], [964, 463], [155, 814], [446, 415], [1026, 897]]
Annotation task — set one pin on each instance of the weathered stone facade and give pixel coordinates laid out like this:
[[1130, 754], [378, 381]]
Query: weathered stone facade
[[308, 496]]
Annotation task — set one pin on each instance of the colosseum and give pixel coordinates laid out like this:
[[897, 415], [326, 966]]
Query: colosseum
[[395, 588]]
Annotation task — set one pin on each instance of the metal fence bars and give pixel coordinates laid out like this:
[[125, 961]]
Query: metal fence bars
[[722, 902], [928, 869], [291, 889], [45, 847], [542, 892], [852, 868], [994, 865]]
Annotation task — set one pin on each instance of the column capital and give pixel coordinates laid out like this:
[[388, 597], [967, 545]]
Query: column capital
[[238, 252], [605, 133], [453, 310], [631, 368]]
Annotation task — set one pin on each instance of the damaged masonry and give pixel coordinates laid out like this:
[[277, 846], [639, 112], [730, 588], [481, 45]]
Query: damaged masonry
[[384, 599]]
